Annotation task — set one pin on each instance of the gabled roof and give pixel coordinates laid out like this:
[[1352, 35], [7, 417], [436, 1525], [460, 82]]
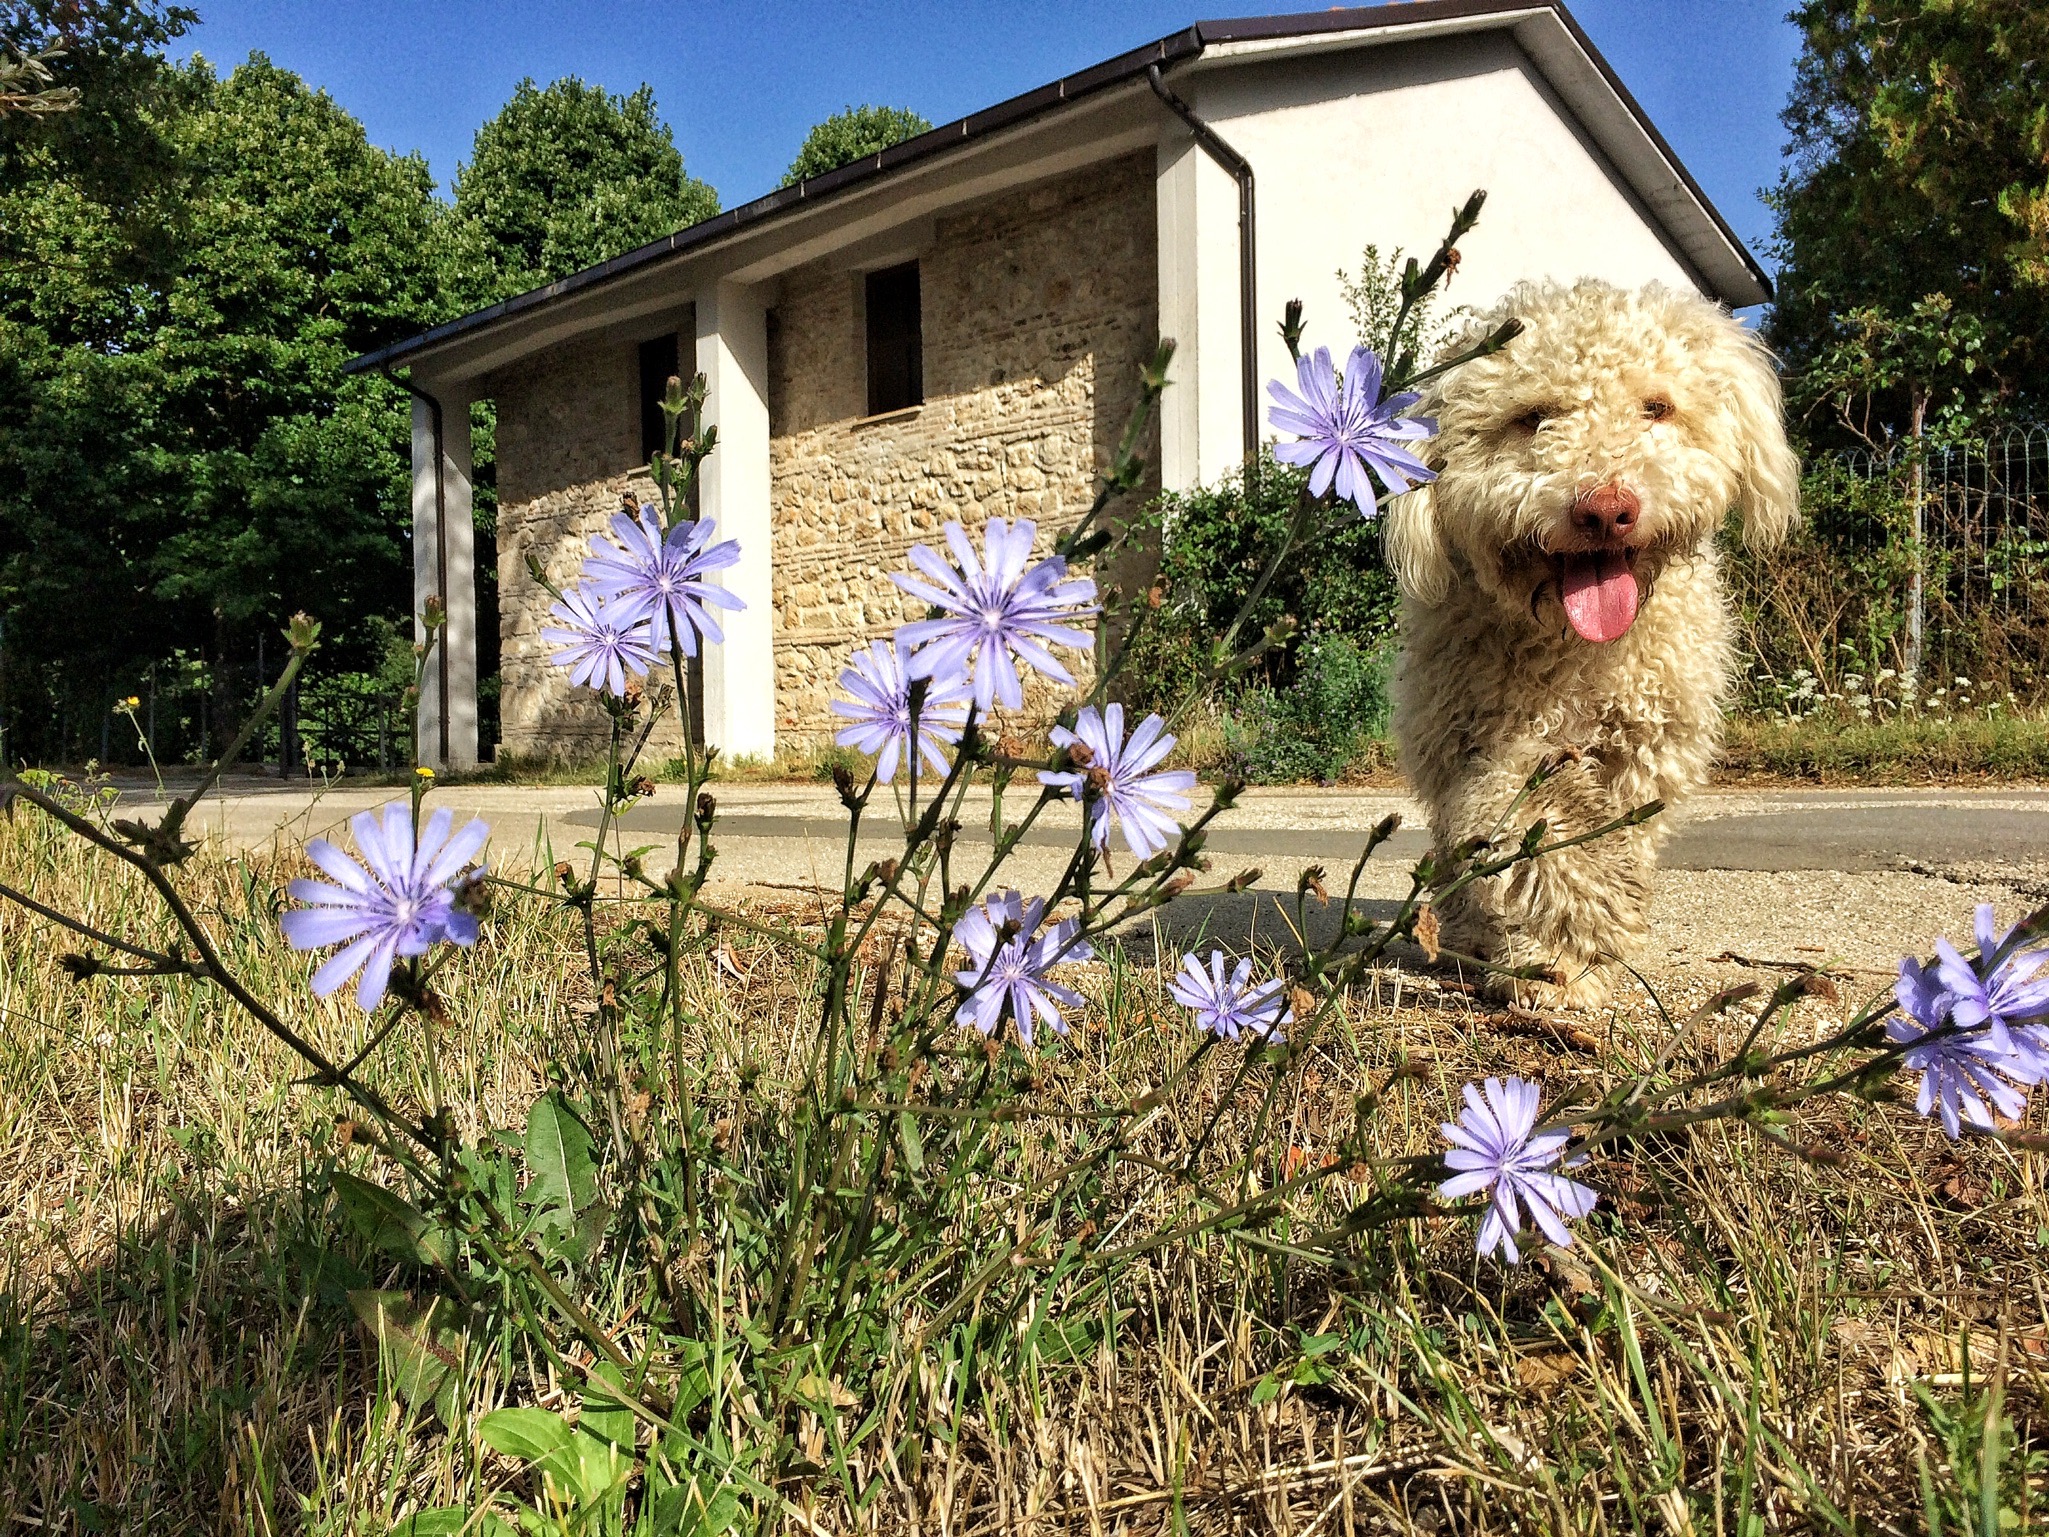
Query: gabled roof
[[1556, 44]]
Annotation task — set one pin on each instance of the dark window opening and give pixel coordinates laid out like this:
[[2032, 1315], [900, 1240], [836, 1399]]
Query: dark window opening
[[896, 343], [658, 364]]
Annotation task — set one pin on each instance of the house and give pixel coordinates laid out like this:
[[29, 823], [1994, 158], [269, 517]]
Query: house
[[953, 328]]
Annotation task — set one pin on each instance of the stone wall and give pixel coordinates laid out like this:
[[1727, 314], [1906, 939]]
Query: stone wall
[[568, 453], [1039, 308]]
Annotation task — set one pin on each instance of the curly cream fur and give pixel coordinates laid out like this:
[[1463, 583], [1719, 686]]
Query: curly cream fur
[[1654, 390]]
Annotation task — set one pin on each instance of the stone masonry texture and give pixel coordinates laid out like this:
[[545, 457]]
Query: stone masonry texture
[[1039, 308], [568, 447]]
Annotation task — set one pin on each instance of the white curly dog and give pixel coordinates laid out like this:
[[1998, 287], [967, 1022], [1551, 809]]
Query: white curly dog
[[1562, 606]]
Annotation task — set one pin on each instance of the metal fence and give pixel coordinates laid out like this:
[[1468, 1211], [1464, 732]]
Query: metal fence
[[188, 713], [1923, 567], [1981, 510]]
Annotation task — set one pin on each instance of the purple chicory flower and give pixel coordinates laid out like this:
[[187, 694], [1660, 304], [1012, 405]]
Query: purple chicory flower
[[1961, 1068], [998, 614], [1493, 1149], [880, 708], [663, 576], [1010, 961], [600, 641], [1118, 777], [2009, 1000], [1343, 427], [1230, 1006], [401, 904]]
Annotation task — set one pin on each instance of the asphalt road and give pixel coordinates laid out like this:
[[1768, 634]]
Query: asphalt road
[[1790, 830], [1737, 829], [794, 834], [1858, 877]]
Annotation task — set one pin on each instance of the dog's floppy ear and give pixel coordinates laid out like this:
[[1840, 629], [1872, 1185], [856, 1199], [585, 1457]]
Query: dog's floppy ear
[[1768, 485], [1415, 547]]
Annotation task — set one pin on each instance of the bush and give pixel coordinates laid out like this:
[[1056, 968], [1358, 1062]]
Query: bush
[[1306, 709], [1834, 746], [1831, 602], [1326, 723]]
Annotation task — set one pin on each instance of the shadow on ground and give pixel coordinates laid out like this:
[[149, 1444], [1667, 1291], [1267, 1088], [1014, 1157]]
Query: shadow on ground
[[163, 1389], [1245, 923]]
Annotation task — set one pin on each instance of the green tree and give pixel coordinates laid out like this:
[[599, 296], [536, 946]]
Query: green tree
[[109, 147], [182, 464], [1374, 298], [848, 136], [1913, 216], [27, 86], [570, 176]]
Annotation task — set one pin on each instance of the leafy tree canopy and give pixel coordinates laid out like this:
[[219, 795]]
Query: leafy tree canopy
[[1913, 216], [569, 176], [186, 262], [847, 136], [181, 461], [109, 144]]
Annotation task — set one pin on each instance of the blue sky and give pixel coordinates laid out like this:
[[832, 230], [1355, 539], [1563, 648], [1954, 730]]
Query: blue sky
[[741, 82]]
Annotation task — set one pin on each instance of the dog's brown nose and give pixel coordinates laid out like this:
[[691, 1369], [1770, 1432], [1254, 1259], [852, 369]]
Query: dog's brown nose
[[1605, 512]]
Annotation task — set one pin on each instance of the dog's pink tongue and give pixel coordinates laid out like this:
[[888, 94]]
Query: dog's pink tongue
[[1600, 595]]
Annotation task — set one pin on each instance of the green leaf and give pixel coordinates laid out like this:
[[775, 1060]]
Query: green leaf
[[693, 1384], [418, 1348], [392, 1223], [546, 1443], [588, 1232], [528, 1434], [452, 1521], [914, 1146], [325, 1272], [585, 1469], [562, 1176], [1076, 1339], [685, 1510], [602, 1470], [612, 1424]]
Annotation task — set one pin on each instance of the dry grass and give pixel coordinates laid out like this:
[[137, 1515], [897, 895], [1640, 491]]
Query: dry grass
[[1746, 1341]]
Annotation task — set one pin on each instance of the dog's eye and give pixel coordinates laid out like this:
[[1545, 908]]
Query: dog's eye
[[1656, 409], [1530, 421]]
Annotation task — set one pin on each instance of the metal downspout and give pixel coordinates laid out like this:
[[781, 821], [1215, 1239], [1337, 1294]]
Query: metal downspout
[[440, 544], [1248, 269]]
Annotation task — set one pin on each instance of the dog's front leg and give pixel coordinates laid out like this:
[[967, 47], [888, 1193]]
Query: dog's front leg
[[1573, 913]]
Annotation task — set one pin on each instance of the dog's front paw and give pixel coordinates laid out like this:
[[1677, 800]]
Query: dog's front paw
[[1588, 989]]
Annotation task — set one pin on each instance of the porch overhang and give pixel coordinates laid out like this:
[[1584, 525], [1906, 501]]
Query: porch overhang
[[1094, 115]]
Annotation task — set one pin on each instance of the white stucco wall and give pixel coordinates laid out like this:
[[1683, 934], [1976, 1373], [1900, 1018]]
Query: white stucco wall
[[1371, 145]]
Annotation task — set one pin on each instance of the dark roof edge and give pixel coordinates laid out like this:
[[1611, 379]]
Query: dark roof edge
[[1172, 49], [1311, 23], [1126, 66], [1671, 156]]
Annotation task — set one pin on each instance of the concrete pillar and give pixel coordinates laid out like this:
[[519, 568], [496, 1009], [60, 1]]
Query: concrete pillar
[[1180, 315], [739, 676], [1201, 418], [444, 566]]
